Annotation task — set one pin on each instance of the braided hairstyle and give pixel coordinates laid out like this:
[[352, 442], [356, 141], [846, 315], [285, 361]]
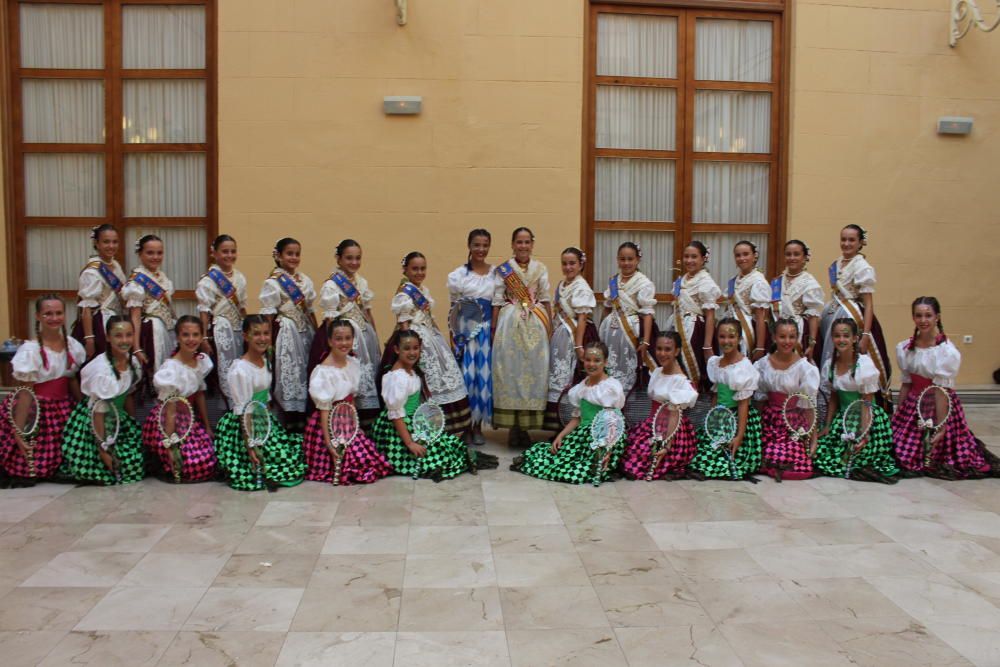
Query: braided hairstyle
[[39, 302], [853, 326], [782, 322], [936, 307], [112, 321], [181, 321]]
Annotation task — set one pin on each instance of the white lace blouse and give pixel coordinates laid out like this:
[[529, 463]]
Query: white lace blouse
[[607, 393], [329, 384], [334, 303], [94, 291], [801, 296], [246, 379], [741, 377], [463, 283], [673, 389], [98, 381], [800, 377], [576, 298], [405, 310], [177, 378], [637, 295], [397, 387], [698, 294], [940, 363], [274, 300], [135, 296], [863, 378], [27, 364], [856, 277], [752, 291], [212, 300]]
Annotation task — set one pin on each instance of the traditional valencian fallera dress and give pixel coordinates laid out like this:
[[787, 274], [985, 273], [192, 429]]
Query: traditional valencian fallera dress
[[621, 329], [350, 298], [675, 390], [745, 294], [571, 301], [446, 457], [693, 295], [799, 298], [100, 287], [959, 454], [874, 462], [281, 453], [50, 373], [289, 298], [520, 345], [153, 292], [176, 378], [782, 456], [732, 384], [363, 463], [101, 381], [476, 355], [225, 298], [574, 461]]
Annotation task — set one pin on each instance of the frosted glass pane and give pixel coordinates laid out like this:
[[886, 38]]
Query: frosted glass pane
[[732, 121], [56, 255], [732, 50], [62, 111], [62, 36], [657, 256], [164, 111], [165, 184], [634, 117], [64, 185], [731, 192], [720, 262], [634, 45], [185, 252], [163, 37], [634, 189]]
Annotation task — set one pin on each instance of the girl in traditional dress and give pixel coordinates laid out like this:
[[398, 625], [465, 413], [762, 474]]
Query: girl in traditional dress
[[110, 377], [785, 372], [573, 330], [412, 307], [148, 295], [927, 358], [475, 280], [334, 380], [522, 317], [345, 294], [48, 365], [402, 389], [696, 297], [627, 325], [667, 384], [848, 376], [278, 461], [101, 282], [796, 295], [749, 299], [222, 305], [734, 382], [569, 457], [183, 374], [852, 290], [286, 299]]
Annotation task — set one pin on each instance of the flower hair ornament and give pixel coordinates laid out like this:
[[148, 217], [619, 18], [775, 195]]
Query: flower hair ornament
[[638, 250], [93, 232], [583, 257], [137, 245], [274, 251], [864, 235], [708, 253]]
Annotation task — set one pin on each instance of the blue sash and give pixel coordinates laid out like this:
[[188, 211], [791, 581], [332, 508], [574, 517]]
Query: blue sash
[[677, 288], [109, 276], [833, 273], [226, 287], [731, 289], [153, 288], [419, 300], [346, 286], [613, 287], [776, 285], [287, 283]]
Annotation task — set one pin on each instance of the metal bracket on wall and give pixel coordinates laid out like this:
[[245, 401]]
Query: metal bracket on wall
[[965, 14]]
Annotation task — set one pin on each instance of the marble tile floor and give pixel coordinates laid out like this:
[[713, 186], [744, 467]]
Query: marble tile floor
[[500, 569]]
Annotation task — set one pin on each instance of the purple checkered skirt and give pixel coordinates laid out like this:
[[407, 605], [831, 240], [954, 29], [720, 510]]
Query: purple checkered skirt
[[781, 455], [53, 413], [958, 452], [363, 462], [636, 459], [197, 453]]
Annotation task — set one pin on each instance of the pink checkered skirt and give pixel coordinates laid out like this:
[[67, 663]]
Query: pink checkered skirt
[[53, 413], [363, 462], [636, 458], [958, 453], [781, 455], [199, 463]]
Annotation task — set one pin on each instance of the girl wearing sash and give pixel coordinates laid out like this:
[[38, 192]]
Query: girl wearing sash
[[286, 299], [345, 294], [734, 381], [785, 372], [749, 297], [412, 307], [852, 289], [796, 295], [847, 377], [402, 390], [927, 358], [667, 384], [569, 457], [110, 377], [183, 374], [222, 305], [627, 325], [573, 330], [521, 324], [335, 380], [280, 457], [474, 280], [148, 295], [696, 298], [101, 282], [48, 365]]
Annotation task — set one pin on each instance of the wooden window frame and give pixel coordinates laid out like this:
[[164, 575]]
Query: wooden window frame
[[687, 12], [113, 149]]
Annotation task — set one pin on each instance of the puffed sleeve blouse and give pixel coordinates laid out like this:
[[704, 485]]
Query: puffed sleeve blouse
[[800, 377], [246, 379], [863, 378], [741, 377], [98, 381], [673, 389], [607, 393], [939, 364], [405, 309], [397, 387], [176, 378], [28, 365], [464, 283], [330, 384]]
